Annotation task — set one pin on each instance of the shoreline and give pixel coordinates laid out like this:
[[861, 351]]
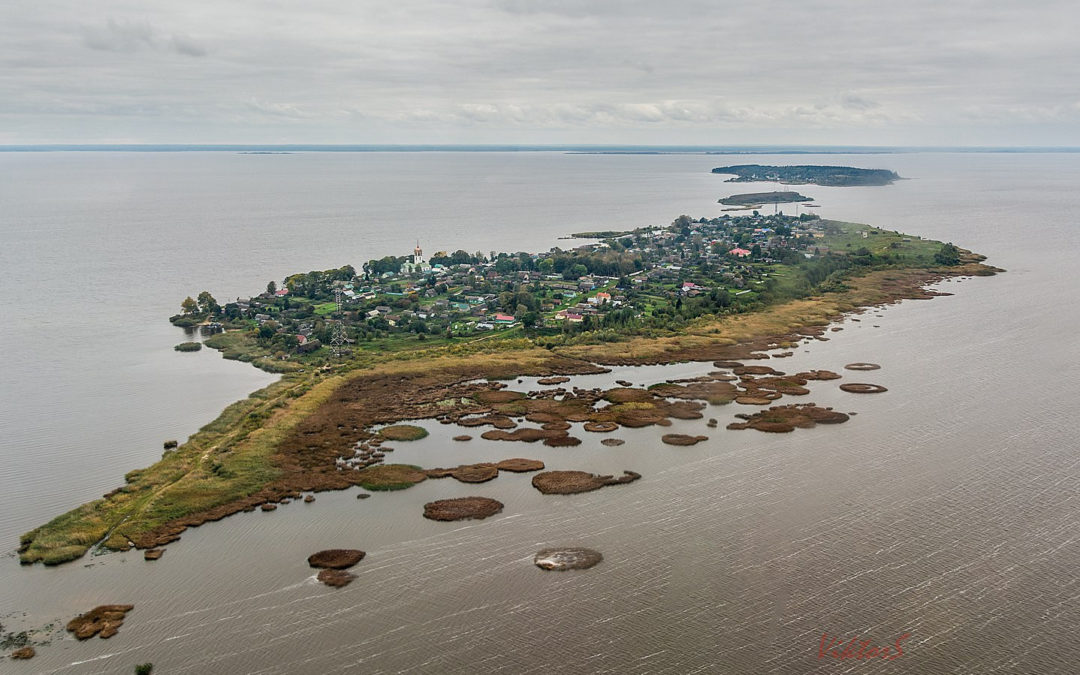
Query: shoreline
[[251, 454]]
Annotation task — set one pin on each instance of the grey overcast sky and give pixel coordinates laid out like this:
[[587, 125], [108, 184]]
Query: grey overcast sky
[[911, 72]]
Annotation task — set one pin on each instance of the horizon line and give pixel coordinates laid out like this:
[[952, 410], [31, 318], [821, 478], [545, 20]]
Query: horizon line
[[600, 148]]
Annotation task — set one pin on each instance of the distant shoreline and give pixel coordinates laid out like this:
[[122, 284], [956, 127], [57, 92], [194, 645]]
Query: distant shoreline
[[568, 148]]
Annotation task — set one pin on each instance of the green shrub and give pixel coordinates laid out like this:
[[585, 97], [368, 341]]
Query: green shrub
[[188, 347]]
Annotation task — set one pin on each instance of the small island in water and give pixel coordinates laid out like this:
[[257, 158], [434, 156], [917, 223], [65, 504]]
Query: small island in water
[[832, 176], [753, 198]]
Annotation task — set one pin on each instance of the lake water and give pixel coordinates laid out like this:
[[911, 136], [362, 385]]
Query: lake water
[[945, 509]]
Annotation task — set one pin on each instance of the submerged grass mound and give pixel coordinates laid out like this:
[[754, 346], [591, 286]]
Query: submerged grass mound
[[188, 347], [403, 432], [862, 365], [561, 559], [862, 388], [335, 578]]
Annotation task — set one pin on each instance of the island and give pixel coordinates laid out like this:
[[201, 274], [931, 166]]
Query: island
[[413, 338], [833, 176], [757, 198]]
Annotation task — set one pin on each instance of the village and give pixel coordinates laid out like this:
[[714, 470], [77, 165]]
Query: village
[[648, 278]]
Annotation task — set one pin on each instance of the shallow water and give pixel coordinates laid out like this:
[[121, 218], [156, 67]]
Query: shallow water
[[946, 508]]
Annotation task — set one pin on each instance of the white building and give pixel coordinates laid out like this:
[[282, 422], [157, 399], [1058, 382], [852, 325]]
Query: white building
[[418, 264]]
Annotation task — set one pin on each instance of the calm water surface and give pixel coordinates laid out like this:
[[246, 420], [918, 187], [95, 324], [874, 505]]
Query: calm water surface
[[946, 508]]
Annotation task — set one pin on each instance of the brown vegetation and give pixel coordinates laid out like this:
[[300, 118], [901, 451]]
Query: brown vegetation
[[862, 388], [755, 370], [519, 465], [785, 418], [562, 442], [601, 427], [475, 473], [817, 375], [682, 439], [462, 508], [498, 396], [336, 558], [549, 381], [555, 426], [497, 421], [526, 435], [388, 477], [104, 620], [573, 482]]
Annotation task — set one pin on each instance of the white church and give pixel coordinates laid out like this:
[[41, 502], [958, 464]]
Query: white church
[[418, 264]]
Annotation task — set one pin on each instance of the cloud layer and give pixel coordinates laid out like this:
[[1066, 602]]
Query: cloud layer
[[996, 72]]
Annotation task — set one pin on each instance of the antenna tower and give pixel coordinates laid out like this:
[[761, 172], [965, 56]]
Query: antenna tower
[[339, 337]]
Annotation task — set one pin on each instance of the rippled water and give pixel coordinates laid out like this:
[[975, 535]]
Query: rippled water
[[945, 509]]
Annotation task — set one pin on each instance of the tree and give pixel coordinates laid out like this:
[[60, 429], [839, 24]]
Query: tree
[[506, 301], [271, 288], [575, 272], [947, 255], [189, 305], [505, 265], [207, 303]]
